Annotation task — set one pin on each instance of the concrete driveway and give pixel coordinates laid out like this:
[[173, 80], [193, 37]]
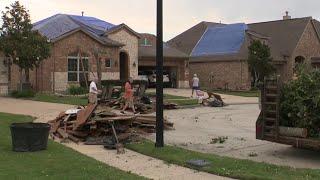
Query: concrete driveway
[[228, 99], [195, 128]]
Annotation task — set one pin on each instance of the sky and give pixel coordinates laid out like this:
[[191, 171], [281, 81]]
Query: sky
[[179, 15]]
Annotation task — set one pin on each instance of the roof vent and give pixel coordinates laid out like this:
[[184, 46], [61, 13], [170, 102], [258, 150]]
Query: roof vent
[[82, 13], [286, 17]]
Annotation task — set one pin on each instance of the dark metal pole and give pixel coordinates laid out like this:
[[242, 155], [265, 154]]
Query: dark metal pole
[[159, 68]]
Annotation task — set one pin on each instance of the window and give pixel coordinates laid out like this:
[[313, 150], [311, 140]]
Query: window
[[108, 63], [146, 42], [78, 70]]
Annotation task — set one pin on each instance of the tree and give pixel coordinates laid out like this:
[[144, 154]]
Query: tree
[[260, 61], [23, 46]]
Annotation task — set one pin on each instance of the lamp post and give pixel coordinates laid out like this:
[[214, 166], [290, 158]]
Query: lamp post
[[159, 70]]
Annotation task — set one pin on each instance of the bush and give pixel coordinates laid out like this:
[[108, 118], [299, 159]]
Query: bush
[[23, 94], [77, 90], [300, 102]]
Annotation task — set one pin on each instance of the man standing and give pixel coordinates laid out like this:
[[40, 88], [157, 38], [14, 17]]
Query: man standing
[[195, 83], [93, 91]]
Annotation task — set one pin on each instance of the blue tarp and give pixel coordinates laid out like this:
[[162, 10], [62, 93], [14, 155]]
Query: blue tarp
[[221, 40], [59, 24]]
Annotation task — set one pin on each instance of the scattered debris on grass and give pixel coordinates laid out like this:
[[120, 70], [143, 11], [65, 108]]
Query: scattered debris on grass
[[220, 140], [252, 154]]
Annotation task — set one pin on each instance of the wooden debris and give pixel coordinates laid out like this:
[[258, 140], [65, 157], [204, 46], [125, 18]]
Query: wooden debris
[[98, 122]]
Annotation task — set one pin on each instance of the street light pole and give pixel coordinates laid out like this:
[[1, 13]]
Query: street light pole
[[159, 69]]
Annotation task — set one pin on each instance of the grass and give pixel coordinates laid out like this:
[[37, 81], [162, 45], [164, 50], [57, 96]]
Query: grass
[[79, 100], [180, 100], [58, 162], [239, 93], [73, 100], [224, 166]]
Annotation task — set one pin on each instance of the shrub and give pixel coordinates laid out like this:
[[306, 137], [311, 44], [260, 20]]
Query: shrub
[[300, 102], [23, 94], [77, 90]]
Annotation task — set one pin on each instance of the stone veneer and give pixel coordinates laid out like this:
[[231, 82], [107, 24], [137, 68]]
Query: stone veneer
[[131, 48]]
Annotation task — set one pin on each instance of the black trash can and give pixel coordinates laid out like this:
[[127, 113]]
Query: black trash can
[[29, 137]]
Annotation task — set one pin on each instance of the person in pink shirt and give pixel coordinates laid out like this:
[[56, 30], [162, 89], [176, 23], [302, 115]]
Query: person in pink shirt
[[128, 96]]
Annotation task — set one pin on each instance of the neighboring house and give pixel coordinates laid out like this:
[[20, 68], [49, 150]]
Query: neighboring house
[[219, 52], [175, 62], [77, 43]]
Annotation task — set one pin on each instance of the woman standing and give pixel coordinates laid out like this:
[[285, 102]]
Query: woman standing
[[128, 96]]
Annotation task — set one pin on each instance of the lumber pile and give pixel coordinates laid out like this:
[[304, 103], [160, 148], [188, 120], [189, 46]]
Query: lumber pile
[[94, 125]]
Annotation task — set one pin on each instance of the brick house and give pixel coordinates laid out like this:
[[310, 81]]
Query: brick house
[[77, 43], [175, 62], [291, 41]]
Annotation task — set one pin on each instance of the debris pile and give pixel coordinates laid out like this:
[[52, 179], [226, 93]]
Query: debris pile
[[99, 125], [144, 105]]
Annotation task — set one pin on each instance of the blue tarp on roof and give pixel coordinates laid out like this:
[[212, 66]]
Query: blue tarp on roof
[[225, 39], [98, 26], [60, 24]]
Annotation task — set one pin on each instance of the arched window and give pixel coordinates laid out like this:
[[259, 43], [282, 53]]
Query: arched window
[[298, 61]]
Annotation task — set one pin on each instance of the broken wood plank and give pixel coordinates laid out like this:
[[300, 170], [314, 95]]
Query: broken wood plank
[[62, 133], [74, 139], [84, 115]]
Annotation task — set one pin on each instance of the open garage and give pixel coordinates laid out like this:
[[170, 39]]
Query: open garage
[[176, 70]]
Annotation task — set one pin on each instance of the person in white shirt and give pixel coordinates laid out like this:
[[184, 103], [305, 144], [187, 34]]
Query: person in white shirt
[[195, 83], [93, 92]]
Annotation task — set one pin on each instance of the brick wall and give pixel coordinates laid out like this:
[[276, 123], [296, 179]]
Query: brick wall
[[3, 76], [131, 48], [52, 73], [308, 47], [217, 75]]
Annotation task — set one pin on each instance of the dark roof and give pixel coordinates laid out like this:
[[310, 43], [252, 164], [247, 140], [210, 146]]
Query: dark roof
[[149, 51], [117, 28], [61, 25], [187, 40], [284, 35]]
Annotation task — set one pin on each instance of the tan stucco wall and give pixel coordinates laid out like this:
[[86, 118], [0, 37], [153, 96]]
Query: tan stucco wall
[[131, 47]]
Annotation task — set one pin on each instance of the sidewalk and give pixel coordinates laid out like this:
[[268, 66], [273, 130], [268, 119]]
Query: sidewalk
[[130, 161]]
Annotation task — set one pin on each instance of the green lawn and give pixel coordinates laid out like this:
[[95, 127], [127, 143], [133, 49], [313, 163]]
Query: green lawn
[[58, 162], [239, 93], [180, 100], [224, 166], [73, 100]]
